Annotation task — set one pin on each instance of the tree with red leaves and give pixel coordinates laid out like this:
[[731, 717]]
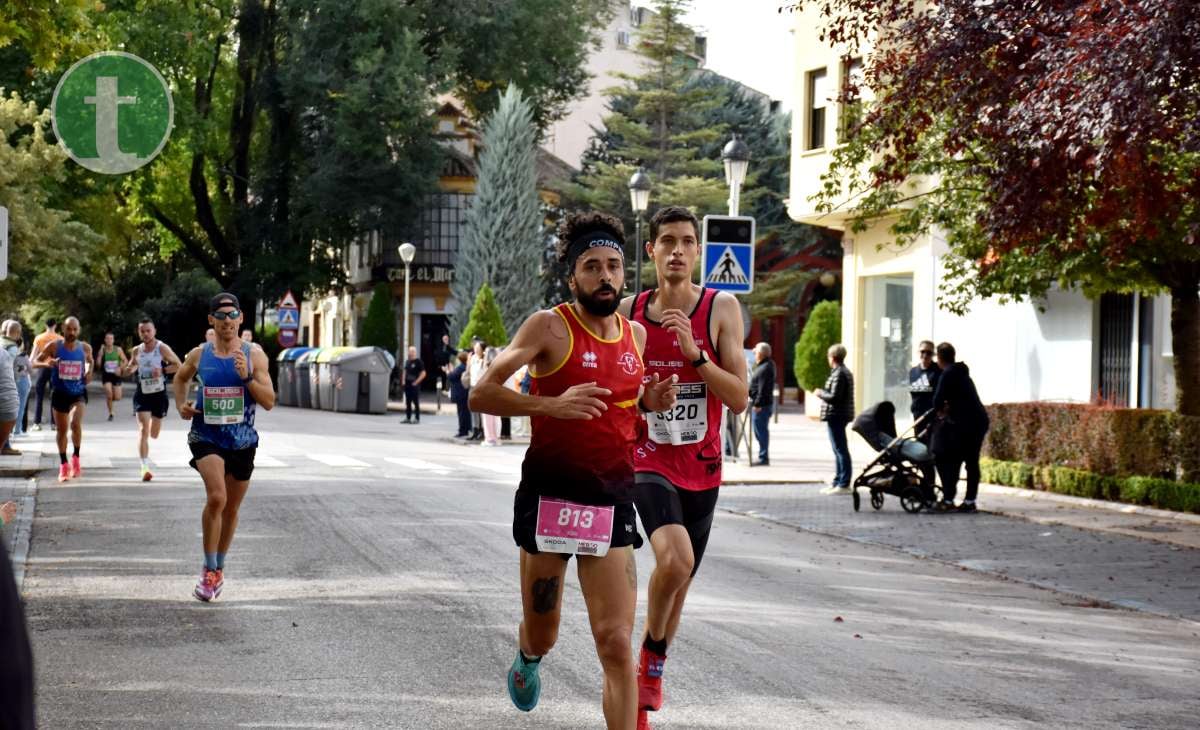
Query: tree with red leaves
[[1064, 137]]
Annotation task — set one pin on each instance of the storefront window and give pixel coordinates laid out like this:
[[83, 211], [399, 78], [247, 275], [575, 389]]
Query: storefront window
[[887, 345]]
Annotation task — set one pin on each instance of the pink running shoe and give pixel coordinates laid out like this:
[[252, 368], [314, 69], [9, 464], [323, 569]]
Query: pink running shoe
[[649, 678], [64, 472], [209, 585], [643, 722], [76, 469]]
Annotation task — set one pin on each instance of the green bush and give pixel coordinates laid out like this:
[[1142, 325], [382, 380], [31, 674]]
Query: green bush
[[1141, 490], [822, 330], [379, 326], [485, 323]]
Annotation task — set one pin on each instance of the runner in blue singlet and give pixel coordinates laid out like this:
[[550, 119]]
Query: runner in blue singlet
[[234, 381]]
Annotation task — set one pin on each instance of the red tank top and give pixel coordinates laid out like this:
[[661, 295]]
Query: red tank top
[[587, 461], [682, 445]]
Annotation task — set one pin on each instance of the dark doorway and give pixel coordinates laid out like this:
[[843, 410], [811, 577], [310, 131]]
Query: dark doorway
[[1116, 348], [433, 327]]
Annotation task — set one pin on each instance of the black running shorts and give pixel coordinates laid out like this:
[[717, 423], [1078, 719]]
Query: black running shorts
[[153, 403], [525, 511], [110, 378], [239, 463], [659, 503], [63, 402]]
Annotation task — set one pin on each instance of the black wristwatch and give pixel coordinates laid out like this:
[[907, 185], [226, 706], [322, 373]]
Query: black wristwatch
[[247, 380], [700, 360]]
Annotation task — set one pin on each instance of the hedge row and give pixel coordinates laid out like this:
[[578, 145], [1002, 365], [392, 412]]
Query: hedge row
[[1162, 493], [1101, 440]]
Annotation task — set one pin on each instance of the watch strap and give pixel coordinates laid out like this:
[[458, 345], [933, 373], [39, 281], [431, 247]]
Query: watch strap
[[700, 360]]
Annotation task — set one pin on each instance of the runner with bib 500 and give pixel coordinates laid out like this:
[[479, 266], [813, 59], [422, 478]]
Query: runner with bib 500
[[576, 491], [693, 335], [234, 378]]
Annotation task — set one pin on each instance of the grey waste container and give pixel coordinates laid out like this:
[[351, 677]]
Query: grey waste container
[[289, 391], [304, 378], [360, 380], [321, 372]]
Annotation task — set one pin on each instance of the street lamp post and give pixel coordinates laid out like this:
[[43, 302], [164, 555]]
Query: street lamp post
[[736, 156], [407, 252], [639, 198]]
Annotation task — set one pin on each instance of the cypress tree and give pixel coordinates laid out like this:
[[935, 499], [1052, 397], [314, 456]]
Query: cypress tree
[[502, 237], [485, 323], [379, 326]]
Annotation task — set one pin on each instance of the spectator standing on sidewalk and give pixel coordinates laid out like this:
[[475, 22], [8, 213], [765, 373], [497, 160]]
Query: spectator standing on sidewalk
[[43, 380], [10, 339], [520, 424], [414, 375], [837, 411], [475, 366], [459, 394], [8, 401], [762, 399], [962, 425], [922, 381], [445, 357], [491, 424]]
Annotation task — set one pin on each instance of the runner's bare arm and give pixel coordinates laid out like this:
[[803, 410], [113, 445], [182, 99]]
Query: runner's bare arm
[[655, 394], [172, 360], [183, 380], [727, 378], [542, 341], [42, 357], [260, 385]]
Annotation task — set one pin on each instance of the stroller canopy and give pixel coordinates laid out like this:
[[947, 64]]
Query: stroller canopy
[[877, 424]]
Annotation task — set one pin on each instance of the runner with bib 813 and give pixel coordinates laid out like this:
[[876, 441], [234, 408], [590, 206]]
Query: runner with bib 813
[[576, 491]]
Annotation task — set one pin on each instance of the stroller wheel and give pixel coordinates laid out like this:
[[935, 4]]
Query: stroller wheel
[[877, 500], [911, 500], [857, 500]]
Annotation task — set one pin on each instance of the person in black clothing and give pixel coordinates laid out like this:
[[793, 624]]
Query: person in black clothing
[[414, 374], [837, 412], [962, 424], [445, 357], [16, 658], [922, 381], [459, 395], [762, 399]]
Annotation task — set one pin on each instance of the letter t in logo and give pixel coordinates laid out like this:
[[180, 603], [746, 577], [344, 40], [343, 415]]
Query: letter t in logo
[[106, 101]]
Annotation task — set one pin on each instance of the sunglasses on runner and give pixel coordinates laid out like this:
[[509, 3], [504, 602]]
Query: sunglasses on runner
[[227, 315]]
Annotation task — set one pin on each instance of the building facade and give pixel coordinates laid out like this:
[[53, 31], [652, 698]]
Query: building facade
[[568, 138], [1115, 349]]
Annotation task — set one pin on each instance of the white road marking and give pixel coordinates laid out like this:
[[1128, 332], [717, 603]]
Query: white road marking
[[419, 464], [337, 460]]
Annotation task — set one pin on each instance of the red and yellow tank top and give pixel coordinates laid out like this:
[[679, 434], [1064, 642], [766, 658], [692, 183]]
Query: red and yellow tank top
[[682, 445], [587, 461]]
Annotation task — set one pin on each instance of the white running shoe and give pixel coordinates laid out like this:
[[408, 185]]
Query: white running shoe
[[839, 490]]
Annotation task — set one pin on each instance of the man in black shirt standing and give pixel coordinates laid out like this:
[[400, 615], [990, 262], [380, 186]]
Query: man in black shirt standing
[[922, 381], [414, 374], [762, 399]]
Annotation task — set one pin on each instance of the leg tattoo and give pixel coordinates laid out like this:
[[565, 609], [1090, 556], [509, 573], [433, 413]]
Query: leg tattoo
[[545, 595]]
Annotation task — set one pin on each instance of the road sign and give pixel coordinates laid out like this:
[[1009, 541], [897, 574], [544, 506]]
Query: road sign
[[286, 338], [3, 243], [728, 254], [112, 112], [289, 319], [288, 301]]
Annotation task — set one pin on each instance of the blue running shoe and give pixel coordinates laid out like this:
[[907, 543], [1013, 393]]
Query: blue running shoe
[[524, 686]]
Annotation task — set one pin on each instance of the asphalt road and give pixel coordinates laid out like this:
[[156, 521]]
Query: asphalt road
[[373, 584]]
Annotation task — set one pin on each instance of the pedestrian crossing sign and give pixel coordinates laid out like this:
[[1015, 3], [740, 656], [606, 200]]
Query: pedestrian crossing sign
[[289, 318], [728, 255]]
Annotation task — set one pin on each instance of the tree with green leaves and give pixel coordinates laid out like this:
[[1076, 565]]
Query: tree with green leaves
[[1063, 140], [502, 238], [379, 326], [823, 330], [486, 322], [660, 120]]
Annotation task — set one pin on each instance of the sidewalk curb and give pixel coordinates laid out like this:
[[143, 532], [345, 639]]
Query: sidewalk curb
[[1038, 495], [1090, 600], [22, 534]]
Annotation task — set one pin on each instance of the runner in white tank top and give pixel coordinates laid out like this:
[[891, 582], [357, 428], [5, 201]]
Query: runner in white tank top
[[151, 362]]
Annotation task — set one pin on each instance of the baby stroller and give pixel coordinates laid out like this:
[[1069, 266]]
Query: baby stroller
[[904, 467]]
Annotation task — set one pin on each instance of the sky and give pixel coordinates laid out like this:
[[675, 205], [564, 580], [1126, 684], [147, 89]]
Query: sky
[[748, 41]]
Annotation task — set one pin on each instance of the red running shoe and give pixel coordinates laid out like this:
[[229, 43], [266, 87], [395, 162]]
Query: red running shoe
[[650, 670], [643, 720]]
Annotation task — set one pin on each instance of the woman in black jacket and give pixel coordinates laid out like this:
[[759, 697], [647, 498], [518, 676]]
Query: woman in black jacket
[[837, 412], [962, 425]]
